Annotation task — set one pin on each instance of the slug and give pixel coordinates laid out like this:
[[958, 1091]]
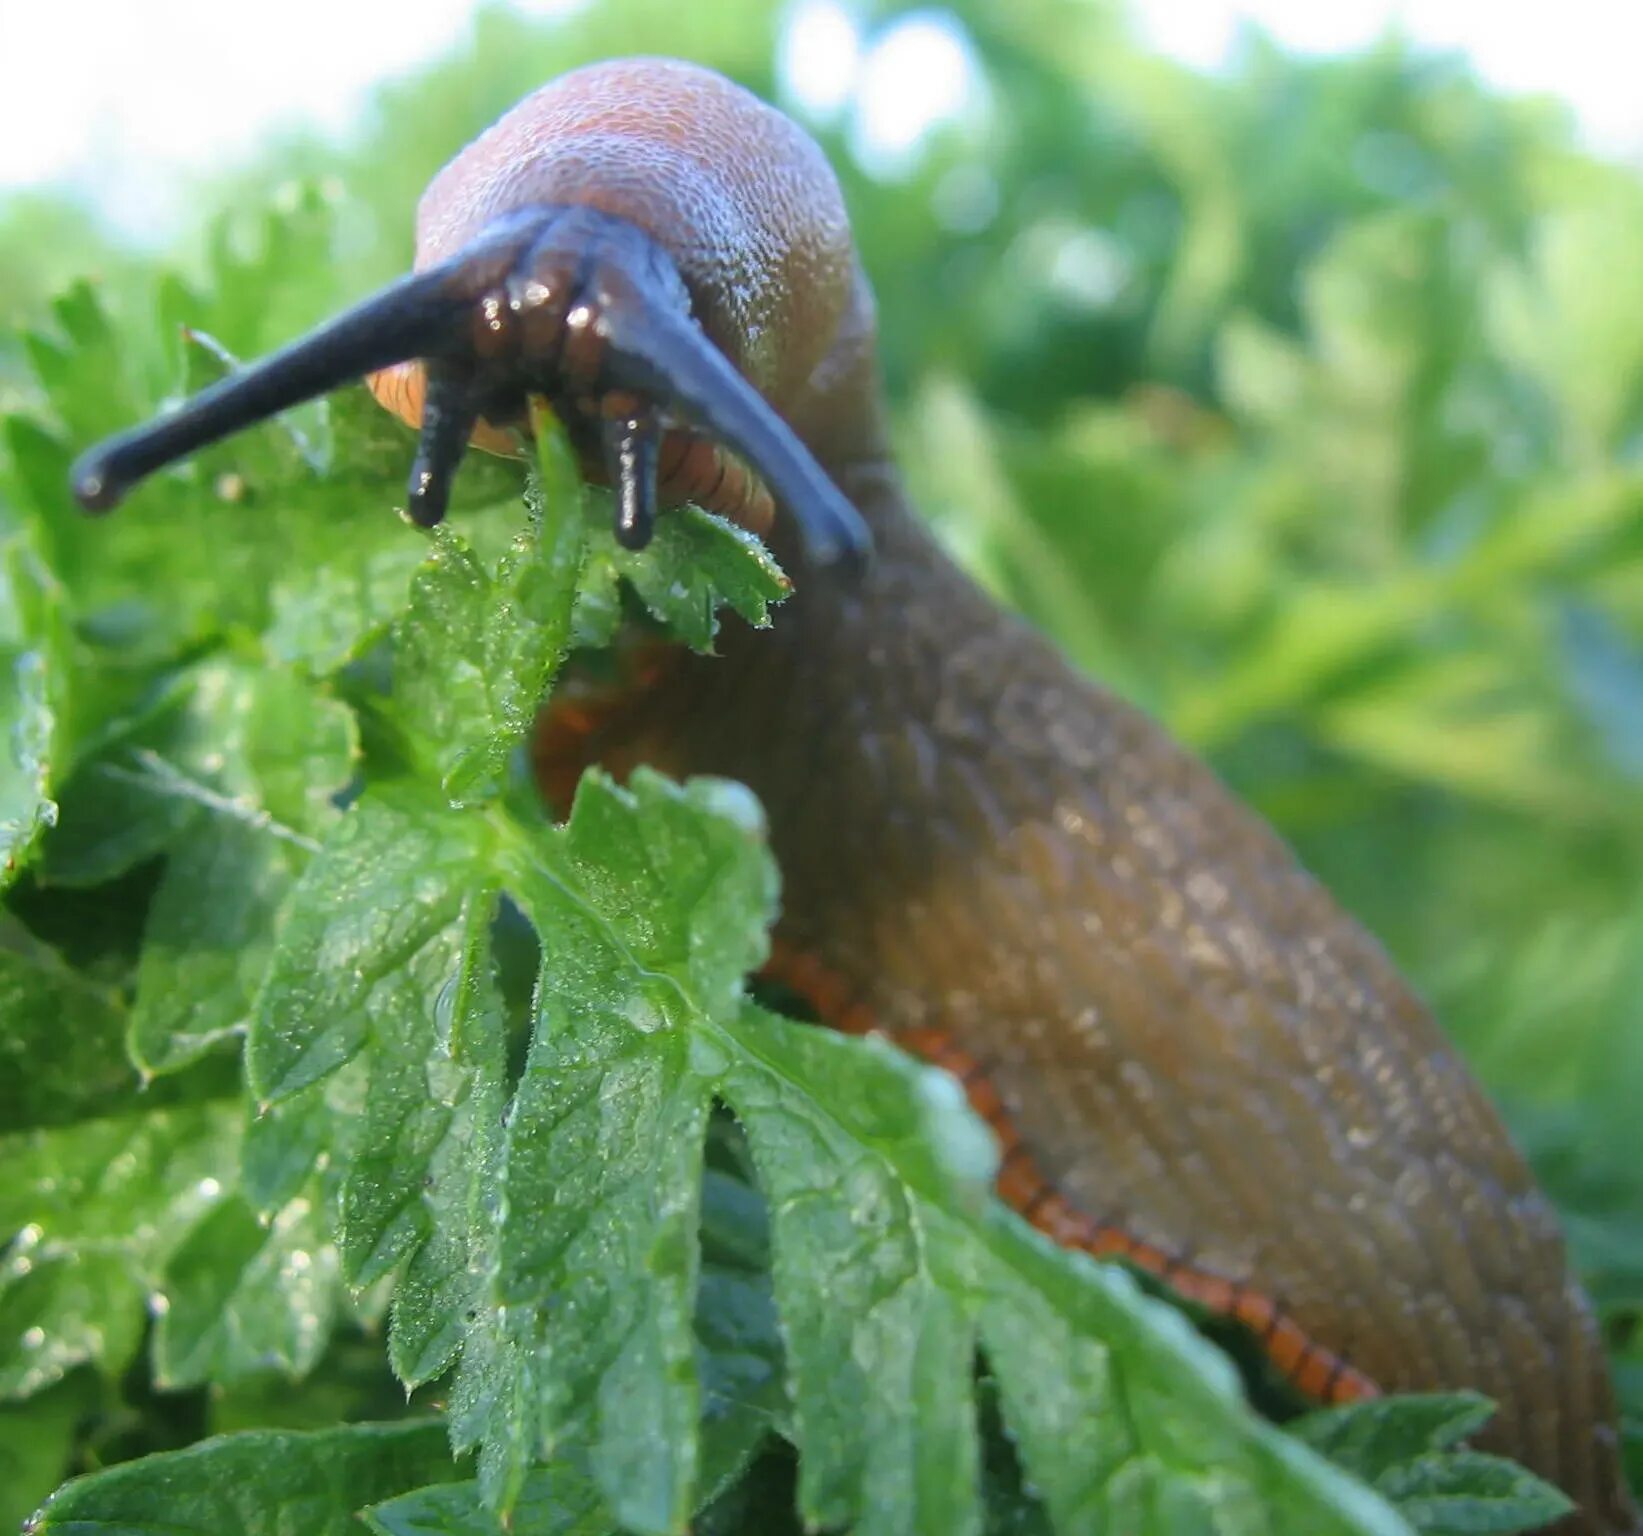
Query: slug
[[1191, 1057]]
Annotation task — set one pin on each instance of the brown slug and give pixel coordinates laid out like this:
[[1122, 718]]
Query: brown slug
[[1191, 1056]]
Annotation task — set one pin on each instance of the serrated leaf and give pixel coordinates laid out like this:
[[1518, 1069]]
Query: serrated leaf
[[375, 903], [1406, 1448], [119, 815], [679, 875], [33, 669], [558, 1501], [96, 1208], [65, 1309], [36, 1438], [870, 1330], [280, 749], [83, 366], [607, 1124], [283, 1143], [207, 941], [247, 534], [694, 563], [322, 620], [450, 1277], [740, 1361], [241, 1296], [650, 906], [578, 1228], [420, 1077], [384, 952], [217, 743], [889, 1271], [1466, 1493], [62, 1038], [265, 1483], [1368, 1438], [475, 651]]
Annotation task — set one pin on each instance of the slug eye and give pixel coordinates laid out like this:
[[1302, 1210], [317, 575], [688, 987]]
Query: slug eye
[[568, 302]]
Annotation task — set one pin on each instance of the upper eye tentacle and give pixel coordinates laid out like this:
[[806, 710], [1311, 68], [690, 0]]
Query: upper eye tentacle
[[569, 302]]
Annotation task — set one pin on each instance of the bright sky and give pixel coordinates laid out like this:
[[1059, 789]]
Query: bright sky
[[125, 97], [1586, 51]]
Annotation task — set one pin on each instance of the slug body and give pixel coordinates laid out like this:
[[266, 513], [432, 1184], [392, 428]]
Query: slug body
[[1192, 1057]]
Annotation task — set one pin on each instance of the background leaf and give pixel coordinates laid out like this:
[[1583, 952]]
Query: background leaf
[[257, 1482]]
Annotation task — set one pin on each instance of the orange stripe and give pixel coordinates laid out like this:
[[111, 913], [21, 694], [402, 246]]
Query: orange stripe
[[1317, 1372]]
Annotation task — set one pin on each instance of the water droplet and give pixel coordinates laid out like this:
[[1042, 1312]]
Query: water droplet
[[736, 803], [445, 1012], [644, 1014], [447, 1082], [707, 1058]]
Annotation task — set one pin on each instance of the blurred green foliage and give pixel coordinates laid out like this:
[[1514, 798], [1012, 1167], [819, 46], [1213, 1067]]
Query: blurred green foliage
[[1305, 404]]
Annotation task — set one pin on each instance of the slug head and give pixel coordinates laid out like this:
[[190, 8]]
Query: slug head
[[597, 248]]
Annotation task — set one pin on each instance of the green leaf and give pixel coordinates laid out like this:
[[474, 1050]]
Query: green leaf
[[1368, 1438], [475, 652], [1466, 1493], [286, 528], [323, 619], [740, 1354], [651, 904], [449, 1279], [675, 881], [97, 1207], [558, 1501], [62, 1038], [871, 1330], [219, 748], [83, 367], [570, 1242], [362, 942], [276, 748], [36, 1438], [637, 904], [242, 1296], [1405, 1448], [33, 668], [261, 1483], [693, 563], [891, 1270], [119, 813], [385, 951], [62, 1310], [603, 1149]]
